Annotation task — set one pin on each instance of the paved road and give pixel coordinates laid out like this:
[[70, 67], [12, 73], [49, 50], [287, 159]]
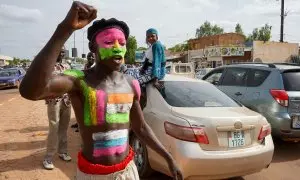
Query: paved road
[[23, 131], [8, 94]]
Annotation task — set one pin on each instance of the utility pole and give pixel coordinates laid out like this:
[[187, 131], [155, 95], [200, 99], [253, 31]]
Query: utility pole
[[282, 20]]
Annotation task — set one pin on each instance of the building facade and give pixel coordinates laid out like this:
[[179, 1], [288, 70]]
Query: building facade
[[274, 52], [218, 50], [4, 60]]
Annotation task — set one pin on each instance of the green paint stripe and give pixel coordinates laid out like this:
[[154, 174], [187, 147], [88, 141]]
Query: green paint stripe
[[117, 118], [87, 113], [74, 72]]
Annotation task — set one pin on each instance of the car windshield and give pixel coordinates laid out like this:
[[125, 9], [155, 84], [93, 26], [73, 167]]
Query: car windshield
[[7, 73], [195, 94], [291, 80]]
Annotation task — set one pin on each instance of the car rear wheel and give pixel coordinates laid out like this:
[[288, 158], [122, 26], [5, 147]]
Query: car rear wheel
[[141, 157]]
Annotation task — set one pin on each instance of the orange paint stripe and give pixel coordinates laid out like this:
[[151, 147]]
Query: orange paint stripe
[[120, 98]]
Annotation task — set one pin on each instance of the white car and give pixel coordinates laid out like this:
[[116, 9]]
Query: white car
[[210, 135], [182, 69]]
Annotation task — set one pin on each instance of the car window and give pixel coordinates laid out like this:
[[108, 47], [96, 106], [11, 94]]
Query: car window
[[177, 69], [7, 73], [214, 77], [291, 80], [195, 94], [256, 77], [168, 69], [235, 77], [183, 69]]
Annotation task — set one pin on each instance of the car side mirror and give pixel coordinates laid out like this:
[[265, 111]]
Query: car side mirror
[[215, 82]]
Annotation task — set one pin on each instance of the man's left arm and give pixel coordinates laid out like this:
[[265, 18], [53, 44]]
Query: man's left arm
[[144, 132]]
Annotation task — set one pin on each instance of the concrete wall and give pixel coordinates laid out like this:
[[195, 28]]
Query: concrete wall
[[272, 52]]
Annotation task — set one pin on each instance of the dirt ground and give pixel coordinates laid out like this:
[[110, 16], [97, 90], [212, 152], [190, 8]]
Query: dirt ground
[[23, 132]]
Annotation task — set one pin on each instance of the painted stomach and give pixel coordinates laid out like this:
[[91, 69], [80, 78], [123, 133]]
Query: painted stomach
[[106, 148]]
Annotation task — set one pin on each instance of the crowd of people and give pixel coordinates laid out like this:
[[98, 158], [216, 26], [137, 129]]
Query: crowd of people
[[105, 96]]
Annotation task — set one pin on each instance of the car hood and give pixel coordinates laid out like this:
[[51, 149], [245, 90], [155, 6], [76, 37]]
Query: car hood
[[7, 78]]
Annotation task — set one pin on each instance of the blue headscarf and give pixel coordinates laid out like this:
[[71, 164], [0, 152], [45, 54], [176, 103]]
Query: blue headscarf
[[151, 31]]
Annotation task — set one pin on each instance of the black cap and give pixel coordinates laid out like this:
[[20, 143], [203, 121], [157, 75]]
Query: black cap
[[103, 24]]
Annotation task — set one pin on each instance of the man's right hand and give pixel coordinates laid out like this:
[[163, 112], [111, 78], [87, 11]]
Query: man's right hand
[[79, 16]]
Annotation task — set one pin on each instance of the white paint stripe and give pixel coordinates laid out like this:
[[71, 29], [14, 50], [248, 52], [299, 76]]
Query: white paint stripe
[[118, 108], [11, 99], [115, 134]]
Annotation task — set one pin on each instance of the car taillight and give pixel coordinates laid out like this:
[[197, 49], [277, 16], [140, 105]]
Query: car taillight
[[280, 96], [186, 133], [264, 131]]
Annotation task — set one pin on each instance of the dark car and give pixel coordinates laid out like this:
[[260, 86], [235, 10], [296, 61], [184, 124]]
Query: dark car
[[11, 77]]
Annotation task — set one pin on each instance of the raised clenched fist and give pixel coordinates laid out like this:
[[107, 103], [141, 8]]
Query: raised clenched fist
[[79, 16]]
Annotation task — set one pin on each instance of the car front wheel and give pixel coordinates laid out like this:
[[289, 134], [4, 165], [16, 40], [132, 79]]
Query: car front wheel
[[141, 157]]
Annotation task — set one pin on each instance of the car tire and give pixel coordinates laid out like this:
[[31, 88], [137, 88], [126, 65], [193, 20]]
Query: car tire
[[141, 157]]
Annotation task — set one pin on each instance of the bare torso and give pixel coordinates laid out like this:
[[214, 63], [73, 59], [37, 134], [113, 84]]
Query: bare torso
[[104, 115]]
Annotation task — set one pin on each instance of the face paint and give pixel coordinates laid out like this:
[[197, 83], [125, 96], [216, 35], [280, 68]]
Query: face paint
[[106, 53], [111, 42]]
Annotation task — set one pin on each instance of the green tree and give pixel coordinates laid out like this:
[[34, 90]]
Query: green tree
[[207, 29], [238, 29], [131, 48], [262, 34], [141, 49], [179, 47], [18, 61]]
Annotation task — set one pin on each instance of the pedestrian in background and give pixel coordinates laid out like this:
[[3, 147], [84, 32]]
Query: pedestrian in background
[[154, 65], [90, 60], [59, 114]]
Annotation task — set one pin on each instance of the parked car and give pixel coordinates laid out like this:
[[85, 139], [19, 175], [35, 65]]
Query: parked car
[[202, 72], [183, 69], [77, 66], [210, 135], [270, 89], [11, 77]]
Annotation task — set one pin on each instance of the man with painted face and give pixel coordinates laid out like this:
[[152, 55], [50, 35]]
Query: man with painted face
[[105, 102]]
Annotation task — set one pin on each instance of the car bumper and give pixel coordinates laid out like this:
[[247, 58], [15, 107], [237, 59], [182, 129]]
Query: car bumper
[[282, 126], [5, 85], [199, 164]]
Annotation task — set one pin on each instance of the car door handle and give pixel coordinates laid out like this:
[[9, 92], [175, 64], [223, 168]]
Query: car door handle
[[238, 94]]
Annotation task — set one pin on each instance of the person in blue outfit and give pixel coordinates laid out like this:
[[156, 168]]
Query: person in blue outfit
[[154, 66]]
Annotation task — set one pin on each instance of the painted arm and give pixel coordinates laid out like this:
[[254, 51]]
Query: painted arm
[[39, 82], [144, 132]]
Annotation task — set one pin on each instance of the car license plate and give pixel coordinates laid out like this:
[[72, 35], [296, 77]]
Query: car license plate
[[236, 139], [296, 123]]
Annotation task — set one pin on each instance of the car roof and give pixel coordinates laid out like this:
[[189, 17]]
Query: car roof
[[270, 66], [170, 77]]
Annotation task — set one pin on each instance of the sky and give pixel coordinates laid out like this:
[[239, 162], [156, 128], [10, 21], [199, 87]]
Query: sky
[[26, 26]]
